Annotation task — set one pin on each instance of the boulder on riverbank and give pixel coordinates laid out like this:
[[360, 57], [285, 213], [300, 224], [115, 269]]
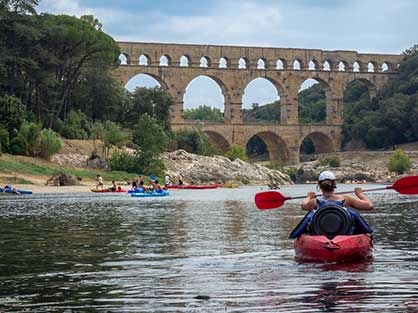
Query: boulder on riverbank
[[204, 169]]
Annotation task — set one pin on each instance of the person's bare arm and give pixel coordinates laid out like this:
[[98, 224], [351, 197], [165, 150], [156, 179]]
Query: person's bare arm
[[310, 202], [362, 203]]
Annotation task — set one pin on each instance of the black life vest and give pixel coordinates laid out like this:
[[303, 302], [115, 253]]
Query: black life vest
[[331, 218]]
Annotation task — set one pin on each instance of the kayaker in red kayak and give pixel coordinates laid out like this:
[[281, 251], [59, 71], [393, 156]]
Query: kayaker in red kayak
[[327, 184]]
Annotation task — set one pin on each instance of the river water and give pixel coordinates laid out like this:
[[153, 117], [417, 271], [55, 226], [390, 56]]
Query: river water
[[194, 251]]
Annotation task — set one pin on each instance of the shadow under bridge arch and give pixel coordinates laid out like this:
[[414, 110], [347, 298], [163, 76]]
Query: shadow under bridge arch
[[267, 145], [315, 143], [218, 140]]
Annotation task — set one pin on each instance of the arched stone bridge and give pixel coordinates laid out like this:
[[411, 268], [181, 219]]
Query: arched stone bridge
[[174, 66]]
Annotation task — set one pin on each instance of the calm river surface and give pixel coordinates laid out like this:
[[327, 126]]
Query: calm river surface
[[195, 251]]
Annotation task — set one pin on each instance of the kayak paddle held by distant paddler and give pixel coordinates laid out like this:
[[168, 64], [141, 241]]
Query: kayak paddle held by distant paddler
[[332, 230]]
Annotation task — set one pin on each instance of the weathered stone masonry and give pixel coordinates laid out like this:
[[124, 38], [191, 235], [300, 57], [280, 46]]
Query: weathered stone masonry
[[285, 68]]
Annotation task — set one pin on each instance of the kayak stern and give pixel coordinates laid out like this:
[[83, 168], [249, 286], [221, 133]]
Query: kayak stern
[[340, 249]]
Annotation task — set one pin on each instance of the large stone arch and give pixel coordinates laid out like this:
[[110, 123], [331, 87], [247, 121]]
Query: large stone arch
[[276, 146], [224, 90], [331, 105], [281, 90], [370, 85], [218, 140], [159, 79], [276, 83], [321, 141]]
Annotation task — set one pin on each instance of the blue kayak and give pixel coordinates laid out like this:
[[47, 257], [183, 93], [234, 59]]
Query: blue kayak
[[139, 190], [21, 191], [153, 194]]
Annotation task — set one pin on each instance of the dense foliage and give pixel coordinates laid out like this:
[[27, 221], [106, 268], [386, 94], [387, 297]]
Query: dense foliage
[[203, 113], [311, 105], [311, 108], [194, 141], [268, 112], [152, 101], [391, 117], [236, 152]]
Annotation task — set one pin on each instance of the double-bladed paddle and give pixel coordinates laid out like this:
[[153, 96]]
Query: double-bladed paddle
[[266, 200]]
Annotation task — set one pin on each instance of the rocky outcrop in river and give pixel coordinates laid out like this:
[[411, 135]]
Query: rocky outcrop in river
[[203, 169]]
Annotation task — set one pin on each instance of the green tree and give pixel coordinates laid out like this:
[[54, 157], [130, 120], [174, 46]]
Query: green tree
[[4, 139], [49, 143], [19, 6], [149, 136], [311, 105], [151, 140], [236, 152], [12, 113], [399, 162], [76, 126], [155, 102], [203, 113], [30, 134], [113, 136], [100, 96], [267, 112], [96, 133], [84, 46]]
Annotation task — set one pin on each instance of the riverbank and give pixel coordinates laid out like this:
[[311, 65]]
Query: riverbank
[[356, 166], [33, 173]]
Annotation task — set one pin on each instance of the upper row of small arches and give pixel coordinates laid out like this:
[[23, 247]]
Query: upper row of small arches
[[281, 64]]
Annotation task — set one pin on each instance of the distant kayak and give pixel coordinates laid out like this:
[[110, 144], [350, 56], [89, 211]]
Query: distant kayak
[[211, 186], [108, 190], [21, 191], [153, 194]]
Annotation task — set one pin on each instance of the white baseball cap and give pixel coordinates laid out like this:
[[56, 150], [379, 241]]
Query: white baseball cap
[[326, 175]]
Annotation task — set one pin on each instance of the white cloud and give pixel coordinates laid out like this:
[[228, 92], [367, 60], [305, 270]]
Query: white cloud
[[74, 7], [233, 22]]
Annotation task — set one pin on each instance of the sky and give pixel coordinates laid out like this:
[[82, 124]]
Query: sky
[[375, 26]]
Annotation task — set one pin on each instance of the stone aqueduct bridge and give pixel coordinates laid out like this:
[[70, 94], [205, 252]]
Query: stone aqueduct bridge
[[233, 67]]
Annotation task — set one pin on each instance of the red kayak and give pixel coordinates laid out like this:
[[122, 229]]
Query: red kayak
[[108, 190], [212, 186], [340, 249]]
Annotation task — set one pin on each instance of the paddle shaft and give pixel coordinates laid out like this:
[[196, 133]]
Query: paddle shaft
[[343, 192]]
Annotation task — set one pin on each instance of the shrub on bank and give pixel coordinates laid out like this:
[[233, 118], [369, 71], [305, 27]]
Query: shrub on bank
[[332, 161], [49, 143], [123, 161], [236, 152], [399, 162], [18, 146]]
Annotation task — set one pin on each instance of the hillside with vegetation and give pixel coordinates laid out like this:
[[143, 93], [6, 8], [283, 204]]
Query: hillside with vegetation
[[390, 118]]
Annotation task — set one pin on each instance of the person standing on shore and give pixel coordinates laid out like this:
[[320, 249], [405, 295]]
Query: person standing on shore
[[99, 180], [167, 179]]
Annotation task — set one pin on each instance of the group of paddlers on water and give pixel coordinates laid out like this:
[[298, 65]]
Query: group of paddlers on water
[[137, 184]]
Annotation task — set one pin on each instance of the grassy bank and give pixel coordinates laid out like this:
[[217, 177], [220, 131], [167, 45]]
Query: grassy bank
[[18, 167]]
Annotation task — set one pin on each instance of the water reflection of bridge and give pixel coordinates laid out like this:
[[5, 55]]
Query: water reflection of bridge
[[174, 66]]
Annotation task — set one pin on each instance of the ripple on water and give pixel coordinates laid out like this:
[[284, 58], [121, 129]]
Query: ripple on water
[[204, 251]]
